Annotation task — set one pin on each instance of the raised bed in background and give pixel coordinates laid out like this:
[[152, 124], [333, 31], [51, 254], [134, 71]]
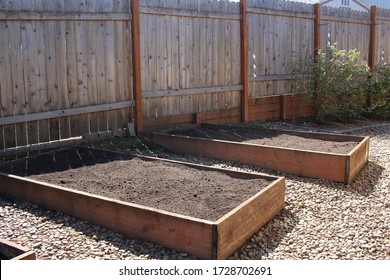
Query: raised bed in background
[[234, 144], [203, 238], [12, 251]]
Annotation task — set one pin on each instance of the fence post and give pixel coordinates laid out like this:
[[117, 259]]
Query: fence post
[[317, 47], [371, 54], [371, 50], [136, 61], [317, 23], [244, 62]]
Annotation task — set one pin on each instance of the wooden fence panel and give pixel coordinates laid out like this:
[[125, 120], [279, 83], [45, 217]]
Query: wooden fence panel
[[382, 53], [346, 28], [189, 45], [63, 55], [279, 32]]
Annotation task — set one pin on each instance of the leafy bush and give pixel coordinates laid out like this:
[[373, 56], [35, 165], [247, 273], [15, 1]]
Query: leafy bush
[[335, 82], [379, 92]]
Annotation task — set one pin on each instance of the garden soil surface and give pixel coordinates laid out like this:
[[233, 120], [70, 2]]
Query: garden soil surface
[[276, 138], [163, 185]]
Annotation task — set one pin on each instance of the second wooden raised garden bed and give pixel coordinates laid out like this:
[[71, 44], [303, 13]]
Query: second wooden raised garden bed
[[319, 155], [12, 251], [207, 238]]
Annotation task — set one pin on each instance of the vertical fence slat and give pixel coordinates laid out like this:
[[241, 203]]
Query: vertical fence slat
[[244, 63], [7, 108], [137, 65], [17, 81]]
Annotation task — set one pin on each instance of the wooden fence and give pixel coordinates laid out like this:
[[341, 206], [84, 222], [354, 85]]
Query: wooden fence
[[75, 67], [64, 66]]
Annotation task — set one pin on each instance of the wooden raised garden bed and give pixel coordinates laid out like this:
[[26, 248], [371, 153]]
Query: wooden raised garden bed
[[319, 155], [146, 198], [12, 251]]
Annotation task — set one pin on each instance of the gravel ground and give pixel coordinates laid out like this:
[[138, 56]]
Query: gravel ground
[[322, 219]]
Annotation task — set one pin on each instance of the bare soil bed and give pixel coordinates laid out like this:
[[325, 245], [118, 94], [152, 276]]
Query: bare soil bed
[[269, 137], [163, 185]]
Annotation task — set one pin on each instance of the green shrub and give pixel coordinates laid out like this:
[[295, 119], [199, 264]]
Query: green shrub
[[379, 92], [335, 82]]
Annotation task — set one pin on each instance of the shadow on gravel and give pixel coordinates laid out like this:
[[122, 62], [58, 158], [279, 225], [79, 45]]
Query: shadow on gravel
[[268, 238], [364, 184]]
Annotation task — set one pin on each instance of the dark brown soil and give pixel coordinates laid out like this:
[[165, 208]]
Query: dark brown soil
[[162, 185], [3, 257], [269, 137]]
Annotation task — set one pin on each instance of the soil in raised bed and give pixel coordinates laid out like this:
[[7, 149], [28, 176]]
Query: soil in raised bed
[[269, 138], [162, 185], [3, 257]]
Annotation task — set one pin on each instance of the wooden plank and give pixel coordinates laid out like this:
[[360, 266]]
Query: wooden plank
[[40, 78], [239, 225], [328, 18], [296, 106], [67, 16], [82, 71], [151, 123], [383, 19], [358, 157], [128, 70], [15, 251], [72, 81], [61, 77], [264, 115], [6, 90], [195, 64], [220, 115], [111, 75], [190, 91], [51, 64], [244, 62], [265, 107], [186, 13], [279, 13], [136, 52], [92, 71], [209, 62], [101, 73], [56, 144], [65, 112], [213, 116], [18, 93], [263, 100], [28, 47], [121, 94], [269, 53], [221, 58]]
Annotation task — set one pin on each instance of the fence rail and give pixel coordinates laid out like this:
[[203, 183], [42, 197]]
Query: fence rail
[[75, 67]]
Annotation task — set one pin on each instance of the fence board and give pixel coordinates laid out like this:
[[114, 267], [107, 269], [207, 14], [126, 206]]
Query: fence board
[[383, 36], [61, 73], [17, 81]]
